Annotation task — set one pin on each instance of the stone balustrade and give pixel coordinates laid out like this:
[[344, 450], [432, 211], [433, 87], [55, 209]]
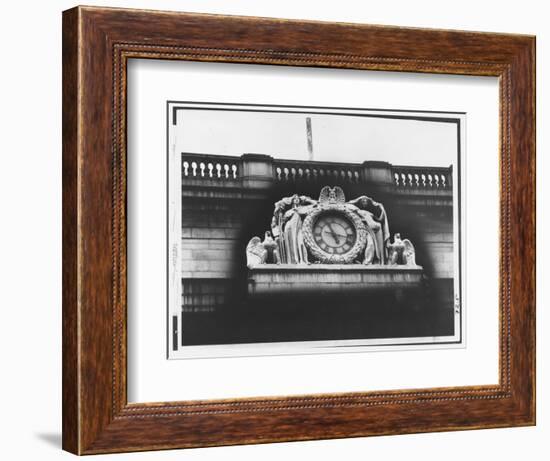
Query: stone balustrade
[[210, 167], [324, 172], [422, 177], [261, 171]]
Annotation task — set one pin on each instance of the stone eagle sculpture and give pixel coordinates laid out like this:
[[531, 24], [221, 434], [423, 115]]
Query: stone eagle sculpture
[[332, 194], [258, 252], [401, 252]]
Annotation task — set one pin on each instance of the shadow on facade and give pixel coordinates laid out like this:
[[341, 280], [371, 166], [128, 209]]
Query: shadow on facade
[[217, 308]]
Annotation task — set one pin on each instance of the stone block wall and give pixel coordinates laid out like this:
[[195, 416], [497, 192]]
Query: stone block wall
[[435, 239], [210, 232]]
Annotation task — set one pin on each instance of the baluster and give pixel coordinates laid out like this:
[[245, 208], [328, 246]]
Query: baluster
[[286, 173], [234, 170], [186, 168], [210, 170], [194, 168], [226, 171], [218, 171], [423, 179], [430, 180], [202, 167], [416, 180], [443, 181]]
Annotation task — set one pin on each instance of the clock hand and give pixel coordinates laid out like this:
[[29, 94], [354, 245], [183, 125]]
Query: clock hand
[[334, 234]]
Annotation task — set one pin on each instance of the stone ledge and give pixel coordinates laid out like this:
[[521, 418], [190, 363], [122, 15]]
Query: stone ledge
[[287, 278], [262, 268]]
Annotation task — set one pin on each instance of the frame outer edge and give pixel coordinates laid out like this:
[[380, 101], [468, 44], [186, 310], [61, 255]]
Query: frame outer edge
[[522, 249], [91, 422], [533, 51], [524, 166], [70, 179]]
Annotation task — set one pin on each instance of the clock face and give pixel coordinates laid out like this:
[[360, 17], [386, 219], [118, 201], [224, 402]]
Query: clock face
[[334, 233]]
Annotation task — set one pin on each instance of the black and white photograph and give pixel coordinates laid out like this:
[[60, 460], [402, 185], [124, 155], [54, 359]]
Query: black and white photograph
[[299, 230]]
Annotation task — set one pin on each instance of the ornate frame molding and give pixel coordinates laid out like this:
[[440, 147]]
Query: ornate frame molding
[[97, 43]]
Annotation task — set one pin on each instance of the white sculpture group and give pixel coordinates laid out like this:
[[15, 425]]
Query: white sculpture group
[[331, 231]]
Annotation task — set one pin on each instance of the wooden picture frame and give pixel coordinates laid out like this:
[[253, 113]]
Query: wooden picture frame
[[97, 43]]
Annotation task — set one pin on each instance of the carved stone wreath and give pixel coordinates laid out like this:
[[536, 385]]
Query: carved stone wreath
[[322, 255]]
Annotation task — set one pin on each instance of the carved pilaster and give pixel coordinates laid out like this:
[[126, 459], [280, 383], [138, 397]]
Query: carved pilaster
[[257, 171], [378, 175]]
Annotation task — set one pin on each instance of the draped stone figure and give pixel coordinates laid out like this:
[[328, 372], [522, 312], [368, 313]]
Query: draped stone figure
[[370, 249], [374, 216], [287, 228]]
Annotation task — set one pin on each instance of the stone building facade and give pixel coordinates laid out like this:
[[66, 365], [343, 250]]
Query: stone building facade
[[228, 199]]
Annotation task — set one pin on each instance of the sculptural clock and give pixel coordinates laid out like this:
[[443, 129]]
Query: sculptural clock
[[334, 233]]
